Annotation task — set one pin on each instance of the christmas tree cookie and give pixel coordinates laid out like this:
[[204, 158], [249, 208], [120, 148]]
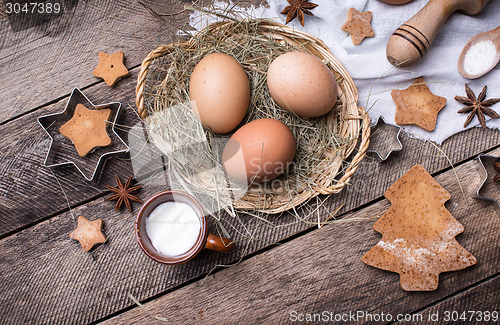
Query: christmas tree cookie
[[418, 233]]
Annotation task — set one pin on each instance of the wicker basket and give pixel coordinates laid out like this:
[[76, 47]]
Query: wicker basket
[[355, 122]]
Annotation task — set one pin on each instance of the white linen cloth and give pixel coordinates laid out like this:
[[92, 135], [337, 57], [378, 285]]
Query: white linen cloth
[[367, 62]]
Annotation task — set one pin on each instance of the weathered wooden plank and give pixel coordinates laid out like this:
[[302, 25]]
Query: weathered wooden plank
[[474, 305], [3, 12], [362, 190], [28, 190], [322, 271], [24, 181], [43, 57], [56, 282]]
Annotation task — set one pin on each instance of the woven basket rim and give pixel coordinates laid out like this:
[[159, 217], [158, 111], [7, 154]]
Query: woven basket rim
[[356, 122]]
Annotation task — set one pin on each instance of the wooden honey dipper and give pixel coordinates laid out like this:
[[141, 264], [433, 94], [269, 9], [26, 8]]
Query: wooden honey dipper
[[412, 40]]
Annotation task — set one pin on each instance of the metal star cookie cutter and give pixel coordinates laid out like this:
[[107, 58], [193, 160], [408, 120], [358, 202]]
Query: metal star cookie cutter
[[483, 170], [62, 151], [384, 136]]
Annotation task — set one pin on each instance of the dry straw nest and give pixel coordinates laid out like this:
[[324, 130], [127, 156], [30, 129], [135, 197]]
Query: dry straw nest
[[330, 148]]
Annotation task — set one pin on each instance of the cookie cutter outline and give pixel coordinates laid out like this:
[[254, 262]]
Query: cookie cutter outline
[[381, 121], [484, 177], [77, 97]]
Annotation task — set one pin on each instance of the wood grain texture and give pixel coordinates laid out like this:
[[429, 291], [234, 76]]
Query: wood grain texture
[[28, 190], [322, 271], [3, 12], [47, 276], [69, 44], [24, 181], [481, 298], [57, 282], [43, 57]]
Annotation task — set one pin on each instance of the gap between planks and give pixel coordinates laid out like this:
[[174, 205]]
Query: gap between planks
[[181, 304], [117, 267], [482, 296], [21, 163], [74, 39], [61, 98], [18, 219]]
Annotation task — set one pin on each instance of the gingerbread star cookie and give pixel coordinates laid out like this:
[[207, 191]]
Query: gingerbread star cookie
[[358, 24], [87, 129], [417, 105], [418, 233], [110, 68], [88, 233]]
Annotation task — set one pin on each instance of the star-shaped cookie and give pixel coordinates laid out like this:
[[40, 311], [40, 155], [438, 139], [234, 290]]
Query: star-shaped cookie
[[110, 68], [87, 129], [358, 24], [417, 105], [61, 152], [88, 233]]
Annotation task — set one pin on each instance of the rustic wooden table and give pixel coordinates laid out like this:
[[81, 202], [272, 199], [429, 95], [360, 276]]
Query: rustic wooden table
[[291, 271]]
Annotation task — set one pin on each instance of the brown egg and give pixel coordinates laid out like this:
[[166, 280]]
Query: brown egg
[[396, 2], [259, 151], [220, 89], [302, 83]]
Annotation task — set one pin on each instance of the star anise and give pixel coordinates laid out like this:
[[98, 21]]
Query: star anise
[[298, 8], [477, 106], [123, 193], [496, 164]]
